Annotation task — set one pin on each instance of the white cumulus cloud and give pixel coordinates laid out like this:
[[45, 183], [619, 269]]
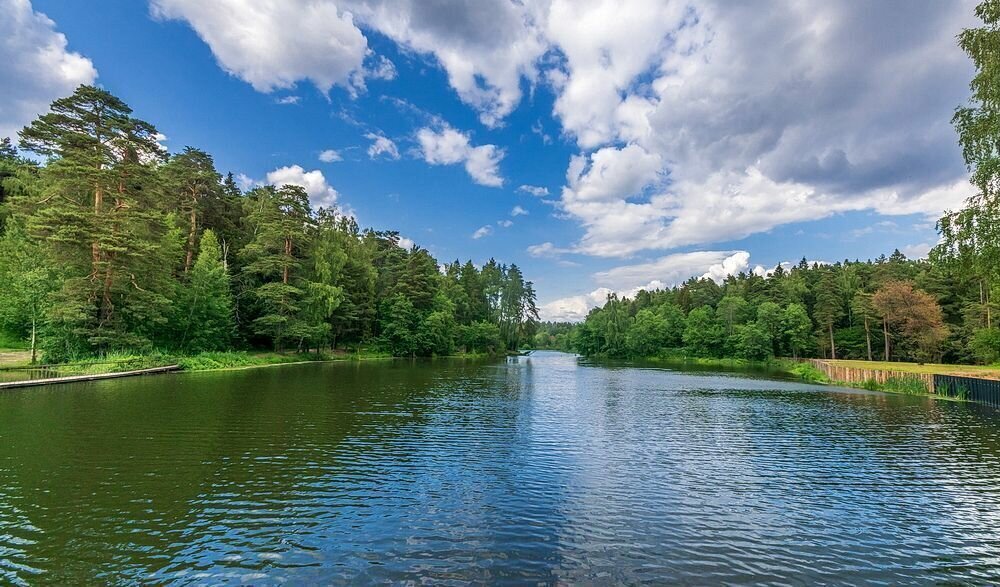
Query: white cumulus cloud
[[36, 65], [330, 156], [274, 45], [381, 145], [759, 115], [486, 47], [482, 231], [696, 122], [321, 194], [448, 146], [534, 190]]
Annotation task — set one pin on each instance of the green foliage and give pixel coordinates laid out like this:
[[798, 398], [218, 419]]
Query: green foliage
[[28, 283], [205, 305], [554, 335], [207, 361], [647, 335], [808, 373], [480, 337], [753, 341], [909, 385], [113, 247], [752, 318], [95, 208], [11, 341], [985, 345], [796, 329], [703, 334], [970, 237], [829, 307]]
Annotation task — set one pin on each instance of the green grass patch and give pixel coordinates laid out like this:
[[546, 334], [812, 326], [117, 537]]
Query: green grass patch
[[906, 385], [805, 371], [112, 363], [9, 341], [235, 359]]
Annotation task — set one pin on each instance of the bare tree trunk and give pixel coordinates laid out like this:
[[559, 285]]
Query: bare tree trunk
[[34, 350], [885, 332], [225, 254], [833, 346], [868, 338], [989, 313]]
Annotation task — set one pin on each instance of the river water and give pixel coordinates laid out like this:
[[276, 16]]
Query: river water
[[540, 469]]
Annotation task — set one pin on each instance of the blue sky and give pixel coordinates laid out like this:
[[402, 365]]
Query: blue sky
[[673, 138]]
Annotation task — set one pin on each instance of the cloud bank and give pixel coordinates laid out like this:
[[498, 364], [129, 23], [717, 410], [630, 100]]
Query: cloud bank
[[36, 66]]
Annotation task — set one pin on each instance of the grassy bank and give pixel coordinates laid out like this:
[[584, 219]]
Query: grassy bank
[[206, 361]]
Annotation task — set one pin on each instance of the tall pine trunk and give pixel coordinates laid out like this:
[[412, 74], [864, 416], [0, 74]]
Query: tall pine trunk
[[288, 256], [192, 236], [95, 245], [833, 346]]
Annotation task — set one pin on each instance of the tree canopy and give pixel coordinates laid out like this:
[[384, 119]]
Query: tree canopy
[[112, 244]]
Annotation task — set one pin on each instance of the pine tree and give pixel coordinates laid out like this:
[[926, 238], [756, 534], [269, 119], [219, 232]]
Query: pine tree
[[97, 215], [205, 306], [191, 181], [829, 307], [279, 219]]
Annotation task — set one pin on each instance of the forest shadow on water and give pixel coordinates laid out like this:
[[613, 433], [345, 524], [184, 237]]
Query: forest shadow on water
[[544, 468]]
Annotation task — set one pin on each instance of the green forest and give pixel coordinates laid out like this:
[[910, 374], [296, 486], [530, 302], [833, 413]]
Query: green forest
[[888, 309], [941, 309], [108, 244]]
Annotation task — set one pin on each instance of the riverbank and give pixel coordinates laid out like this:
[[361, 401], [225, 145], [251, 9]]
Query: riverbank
[[789, 367], [888, 377], [15, 367]]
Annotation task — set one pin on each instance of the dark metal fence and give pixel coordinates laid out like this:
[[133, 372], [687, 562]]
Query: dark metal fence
[[984, 391]]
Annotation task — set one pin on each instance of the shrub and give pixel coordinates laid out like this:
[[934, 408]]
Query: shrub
[[910, 385], [809, 373], [985, 345]]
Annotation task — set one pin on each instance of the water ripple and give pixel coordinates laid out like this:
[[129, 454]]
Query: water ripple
[[540, 469]]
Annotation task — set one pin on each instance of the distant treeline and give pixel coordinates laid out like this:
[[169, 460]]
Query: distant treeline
[[888, 309], [114, 245]]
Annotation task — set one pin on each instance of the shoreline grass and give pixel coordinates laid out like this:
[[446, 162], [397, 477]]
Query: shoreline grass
[[198, 362]]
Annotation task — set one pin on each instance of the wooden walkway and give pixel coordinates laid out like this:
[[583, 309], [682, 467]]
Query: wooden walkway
[[79, 378]]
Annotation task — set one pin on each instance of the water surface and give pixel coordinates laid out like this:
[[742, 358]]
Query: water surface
[[540, 469]]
